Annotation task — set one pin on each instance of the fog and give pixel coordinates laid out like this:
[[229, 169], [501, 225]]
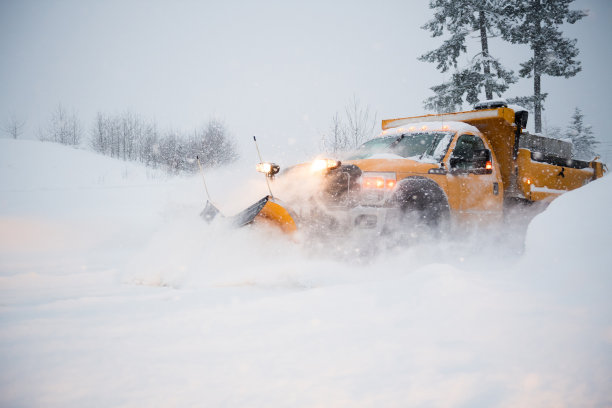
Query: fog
[[275, 69]]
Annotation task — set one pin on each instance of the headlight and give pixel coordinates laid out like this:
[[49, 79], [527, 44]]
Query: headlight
[[324, 164]]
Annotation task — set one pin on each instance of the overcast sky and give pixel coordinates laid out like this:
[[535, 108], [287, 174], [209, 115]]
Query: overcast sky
[[275, 69]]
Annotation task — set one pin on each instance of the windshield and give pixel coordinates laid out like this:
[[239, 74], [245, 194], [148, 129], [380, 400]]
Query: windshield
[[418, 146]]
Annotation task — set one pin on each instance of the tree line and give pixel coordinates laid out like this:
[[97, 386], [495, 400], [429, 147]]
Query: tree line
[[128, 136]]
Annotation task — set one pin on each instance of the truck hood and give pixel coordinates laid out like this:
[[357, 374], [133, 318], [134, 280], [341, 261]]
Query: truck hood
[[393, 165]]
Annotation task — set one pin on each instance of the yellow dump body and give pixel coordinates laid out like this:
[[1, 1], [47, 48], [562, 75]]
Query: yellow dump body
[[522, 177], [542, 181]]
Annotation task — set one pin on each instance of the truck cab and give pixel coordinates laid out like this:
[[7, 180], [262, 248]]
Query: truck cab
[[448, 166]]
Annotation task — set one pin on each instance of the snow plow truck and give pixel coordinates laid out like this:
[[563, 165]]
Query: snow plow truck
[[432, 170]]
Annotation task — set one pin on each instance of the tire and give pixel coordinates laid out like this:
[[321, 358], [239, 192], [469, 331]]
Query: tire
[[423, 205]]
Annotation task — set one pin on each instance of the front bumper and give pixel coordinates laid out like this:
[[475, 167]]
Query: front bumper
[[361, 217]]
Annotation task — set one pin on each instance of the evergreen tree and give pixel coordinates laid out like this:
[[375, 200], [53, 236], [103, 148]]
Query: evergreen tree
[[582, 137], [536, 23], [484, 72]]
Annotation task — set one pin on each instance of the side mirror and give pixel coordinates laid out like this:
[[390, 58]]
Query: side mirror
[[520, 118], [455, 161]]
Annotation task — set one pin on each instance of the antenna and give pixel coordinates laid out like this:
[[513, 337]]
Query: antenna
[[203, 178], [261, 161]]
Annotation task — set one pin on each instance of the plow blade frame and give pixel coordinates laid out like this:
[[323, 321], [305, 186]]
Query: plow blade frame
[[247, 216]]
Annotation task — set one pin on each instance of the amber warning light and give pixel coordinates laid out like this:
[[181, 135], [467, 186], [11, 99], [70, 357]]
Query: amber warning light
[[372, 180], [324, 164]]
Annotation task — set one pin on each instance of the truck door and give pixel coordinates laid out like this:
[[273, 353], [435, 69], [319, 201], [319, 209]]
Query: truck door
[[475, 178]]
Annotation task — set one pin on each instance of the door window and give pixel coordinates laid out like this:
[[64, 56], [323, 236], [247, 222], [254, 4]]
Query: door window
[[464, 154]]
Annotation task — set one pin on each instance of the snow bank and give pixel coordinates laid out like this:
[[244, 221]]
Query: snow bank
[[30, 165], [575, 230], [567, 247]]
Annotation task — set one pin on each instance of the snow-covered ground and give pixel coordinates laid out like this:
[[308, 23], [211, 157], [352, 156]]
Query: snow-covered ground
[[113, 292]]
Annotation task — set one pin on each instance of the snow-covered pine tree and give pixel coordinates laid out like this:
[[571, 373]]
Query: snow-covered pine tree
[[536, 23], [484, 72], [582, 137]]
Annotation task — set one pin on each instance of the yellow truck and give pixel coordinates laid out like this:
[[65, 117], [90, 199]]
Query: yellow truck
[[460, 167]]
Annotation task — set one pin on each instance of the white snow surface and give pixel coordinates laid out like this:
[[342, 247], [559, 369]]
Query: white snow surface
[[430, 126], [115, 293]]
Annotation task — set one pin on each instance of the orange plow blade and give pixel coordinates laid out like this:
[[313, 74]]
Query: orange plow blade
[[267, 210], [276, 214]]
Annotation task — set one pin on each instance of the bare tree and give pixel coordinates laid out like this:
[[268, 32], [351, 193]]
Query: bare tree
[[147, 147], [63, 128], [123, 136], [214, 144], [129, 137], [99, 135], [14, 127], [358, 125], [336, 139]]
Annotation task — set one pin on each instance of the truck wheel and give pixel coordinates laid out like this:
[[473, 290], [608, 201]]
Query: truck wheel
[[423, 205]]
